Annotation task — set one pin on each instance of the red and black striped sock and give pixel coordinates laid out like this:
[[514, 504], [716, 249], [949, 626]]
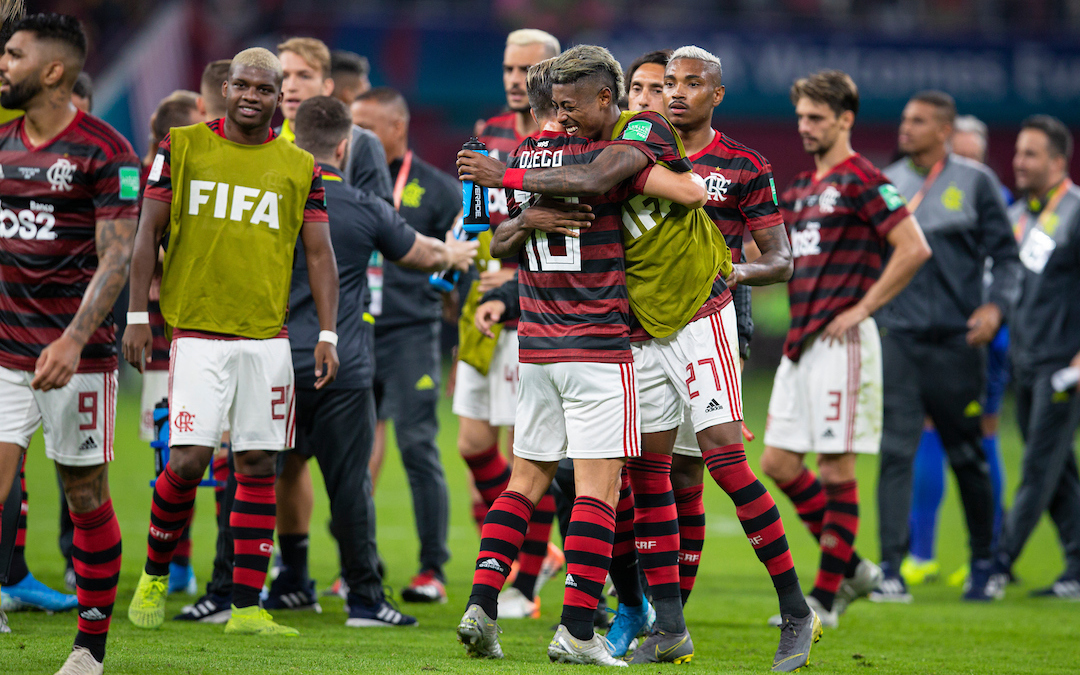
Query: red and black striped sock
[[220, 469], [809, 498], [624, 560], [252, 520], [174, 498], [589, 539], [837, 539], [96, 556], [535, 546], [17, 570], [691, 507], [182, 554], [500, 541], [760, 521], [656, 523], [490, 472]]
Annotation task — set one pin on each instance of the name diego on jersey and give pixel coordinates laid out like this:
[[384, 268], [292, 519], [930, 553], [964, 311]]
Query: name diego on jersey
[[233, 202]]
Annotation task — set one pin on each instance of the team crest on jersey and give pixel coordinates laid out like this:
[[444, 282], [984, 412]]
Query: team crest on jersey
[[412, 194], [827, 200], [952, 198], [717, 186], [60, 175]]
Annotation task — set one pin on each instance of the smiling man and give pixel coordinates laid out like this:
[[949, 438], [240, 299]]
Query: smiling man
[[225, 292]]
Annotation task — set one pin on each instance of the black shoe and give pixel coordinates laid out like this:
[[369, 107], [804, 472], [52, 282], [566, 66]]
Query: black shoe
[[1066, 588], [286, 594], [209, 608]]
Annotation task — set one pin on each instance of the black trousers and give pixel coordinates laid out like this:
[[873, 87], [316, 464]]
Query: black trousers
[[944, 379], [9, 526], [407, 374], [1049, 479], [337, 428]]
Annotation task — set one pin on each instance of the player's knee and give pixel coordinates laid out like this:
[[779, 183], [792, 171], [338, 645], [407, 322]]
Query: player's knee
[[780, 465], [686, 472], [187, 463], [256, 462]]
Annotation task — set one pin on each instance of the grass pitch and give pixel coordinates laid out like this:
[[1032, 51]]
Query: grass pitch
[[726, 614]]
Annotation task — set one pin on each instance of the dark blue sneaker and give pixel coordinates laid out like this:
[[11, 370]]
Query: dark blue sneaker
[[891, 588], [285, 595], [209, 608], [381, 615], [984, 584], [1066, 587]]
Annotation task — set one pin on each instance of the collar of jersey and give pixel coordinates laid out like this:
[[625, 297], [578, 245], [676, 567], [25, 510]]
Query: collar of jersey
[[331, 173]]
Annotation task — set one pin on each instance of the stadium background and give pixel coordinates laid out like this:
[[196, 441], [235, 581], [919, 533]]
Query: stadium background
[[1001, 59]]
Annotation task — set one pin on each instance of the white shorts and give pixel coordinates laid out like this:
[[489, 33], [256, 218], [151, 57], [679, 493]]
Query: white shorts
[[243, 385], [577, 410], [78, 418], [831, 400], [697, 366], [491, 398], [686, 440], [155, 386]]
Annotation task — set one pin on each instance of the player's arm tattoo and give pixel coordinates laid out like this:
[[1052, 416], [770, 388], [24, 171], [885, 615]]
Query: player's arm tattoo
[[613, 165], [114, 241], [510, 235], [775, 263], [86, 487]]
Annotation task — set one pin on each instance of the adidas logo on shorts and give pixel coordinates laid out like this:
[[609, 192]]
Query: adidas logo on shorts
[[570, 581], [713, 406], [828, 434], [490, 564], [93, 614], [88, 444]]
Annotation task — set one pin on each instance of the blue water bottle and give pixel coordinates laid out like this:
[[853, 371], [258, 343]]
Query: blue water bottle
[[474, 198]]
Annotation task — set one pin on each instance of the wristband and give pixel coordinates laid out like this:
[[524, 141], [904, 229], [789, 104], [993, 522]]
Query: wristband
[[513, 179], [328, 336], [138, 318]]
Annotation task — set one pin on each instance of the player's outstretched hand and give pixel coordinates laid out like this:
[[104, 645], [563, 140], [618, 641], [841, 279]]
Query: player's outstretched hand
[[57, 363], [842, 323], [480, 169], [461, 252], [326, 364], [487, 315], [983, 324], [137, 342], [558, 217]]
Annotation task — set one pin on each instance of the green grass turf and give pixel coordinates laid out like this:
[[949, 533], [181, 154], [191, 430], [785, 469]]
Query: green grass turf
[[727, 613]]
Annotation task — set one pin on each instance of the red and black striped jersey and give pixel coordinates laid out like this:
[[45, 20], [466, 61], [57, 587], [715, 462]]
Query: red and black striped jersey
[[53, 196], [502, 139], [574, 302], [741, 190], [837, 227], [160, 188]]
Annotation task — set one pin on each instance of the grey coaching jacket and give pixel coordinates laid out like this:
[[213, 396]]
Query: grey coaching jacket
[[963, 216]]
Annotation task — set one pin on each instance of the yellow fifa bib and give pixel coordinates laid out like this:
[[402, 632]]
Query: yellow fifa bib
[[236, 213]]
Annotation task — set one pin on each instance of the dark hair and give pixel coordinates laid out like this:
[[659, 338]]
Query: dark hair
[[348, 63], [321, 123], [60, 27], [1058, 137], [834, 88], [944, 103], [215, 74], [386, 96], [660, 57], [84, 87]]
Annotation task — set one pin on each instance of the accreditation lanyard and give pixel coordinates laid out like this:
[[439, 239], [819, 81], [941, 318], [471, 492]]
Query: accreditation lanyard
[[402, 178], [1046, 213], [914, 202]]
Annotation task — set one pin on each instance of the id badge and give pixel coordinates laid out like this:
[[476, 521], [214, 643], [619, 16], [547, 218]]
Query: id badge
[[1036, 250]]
